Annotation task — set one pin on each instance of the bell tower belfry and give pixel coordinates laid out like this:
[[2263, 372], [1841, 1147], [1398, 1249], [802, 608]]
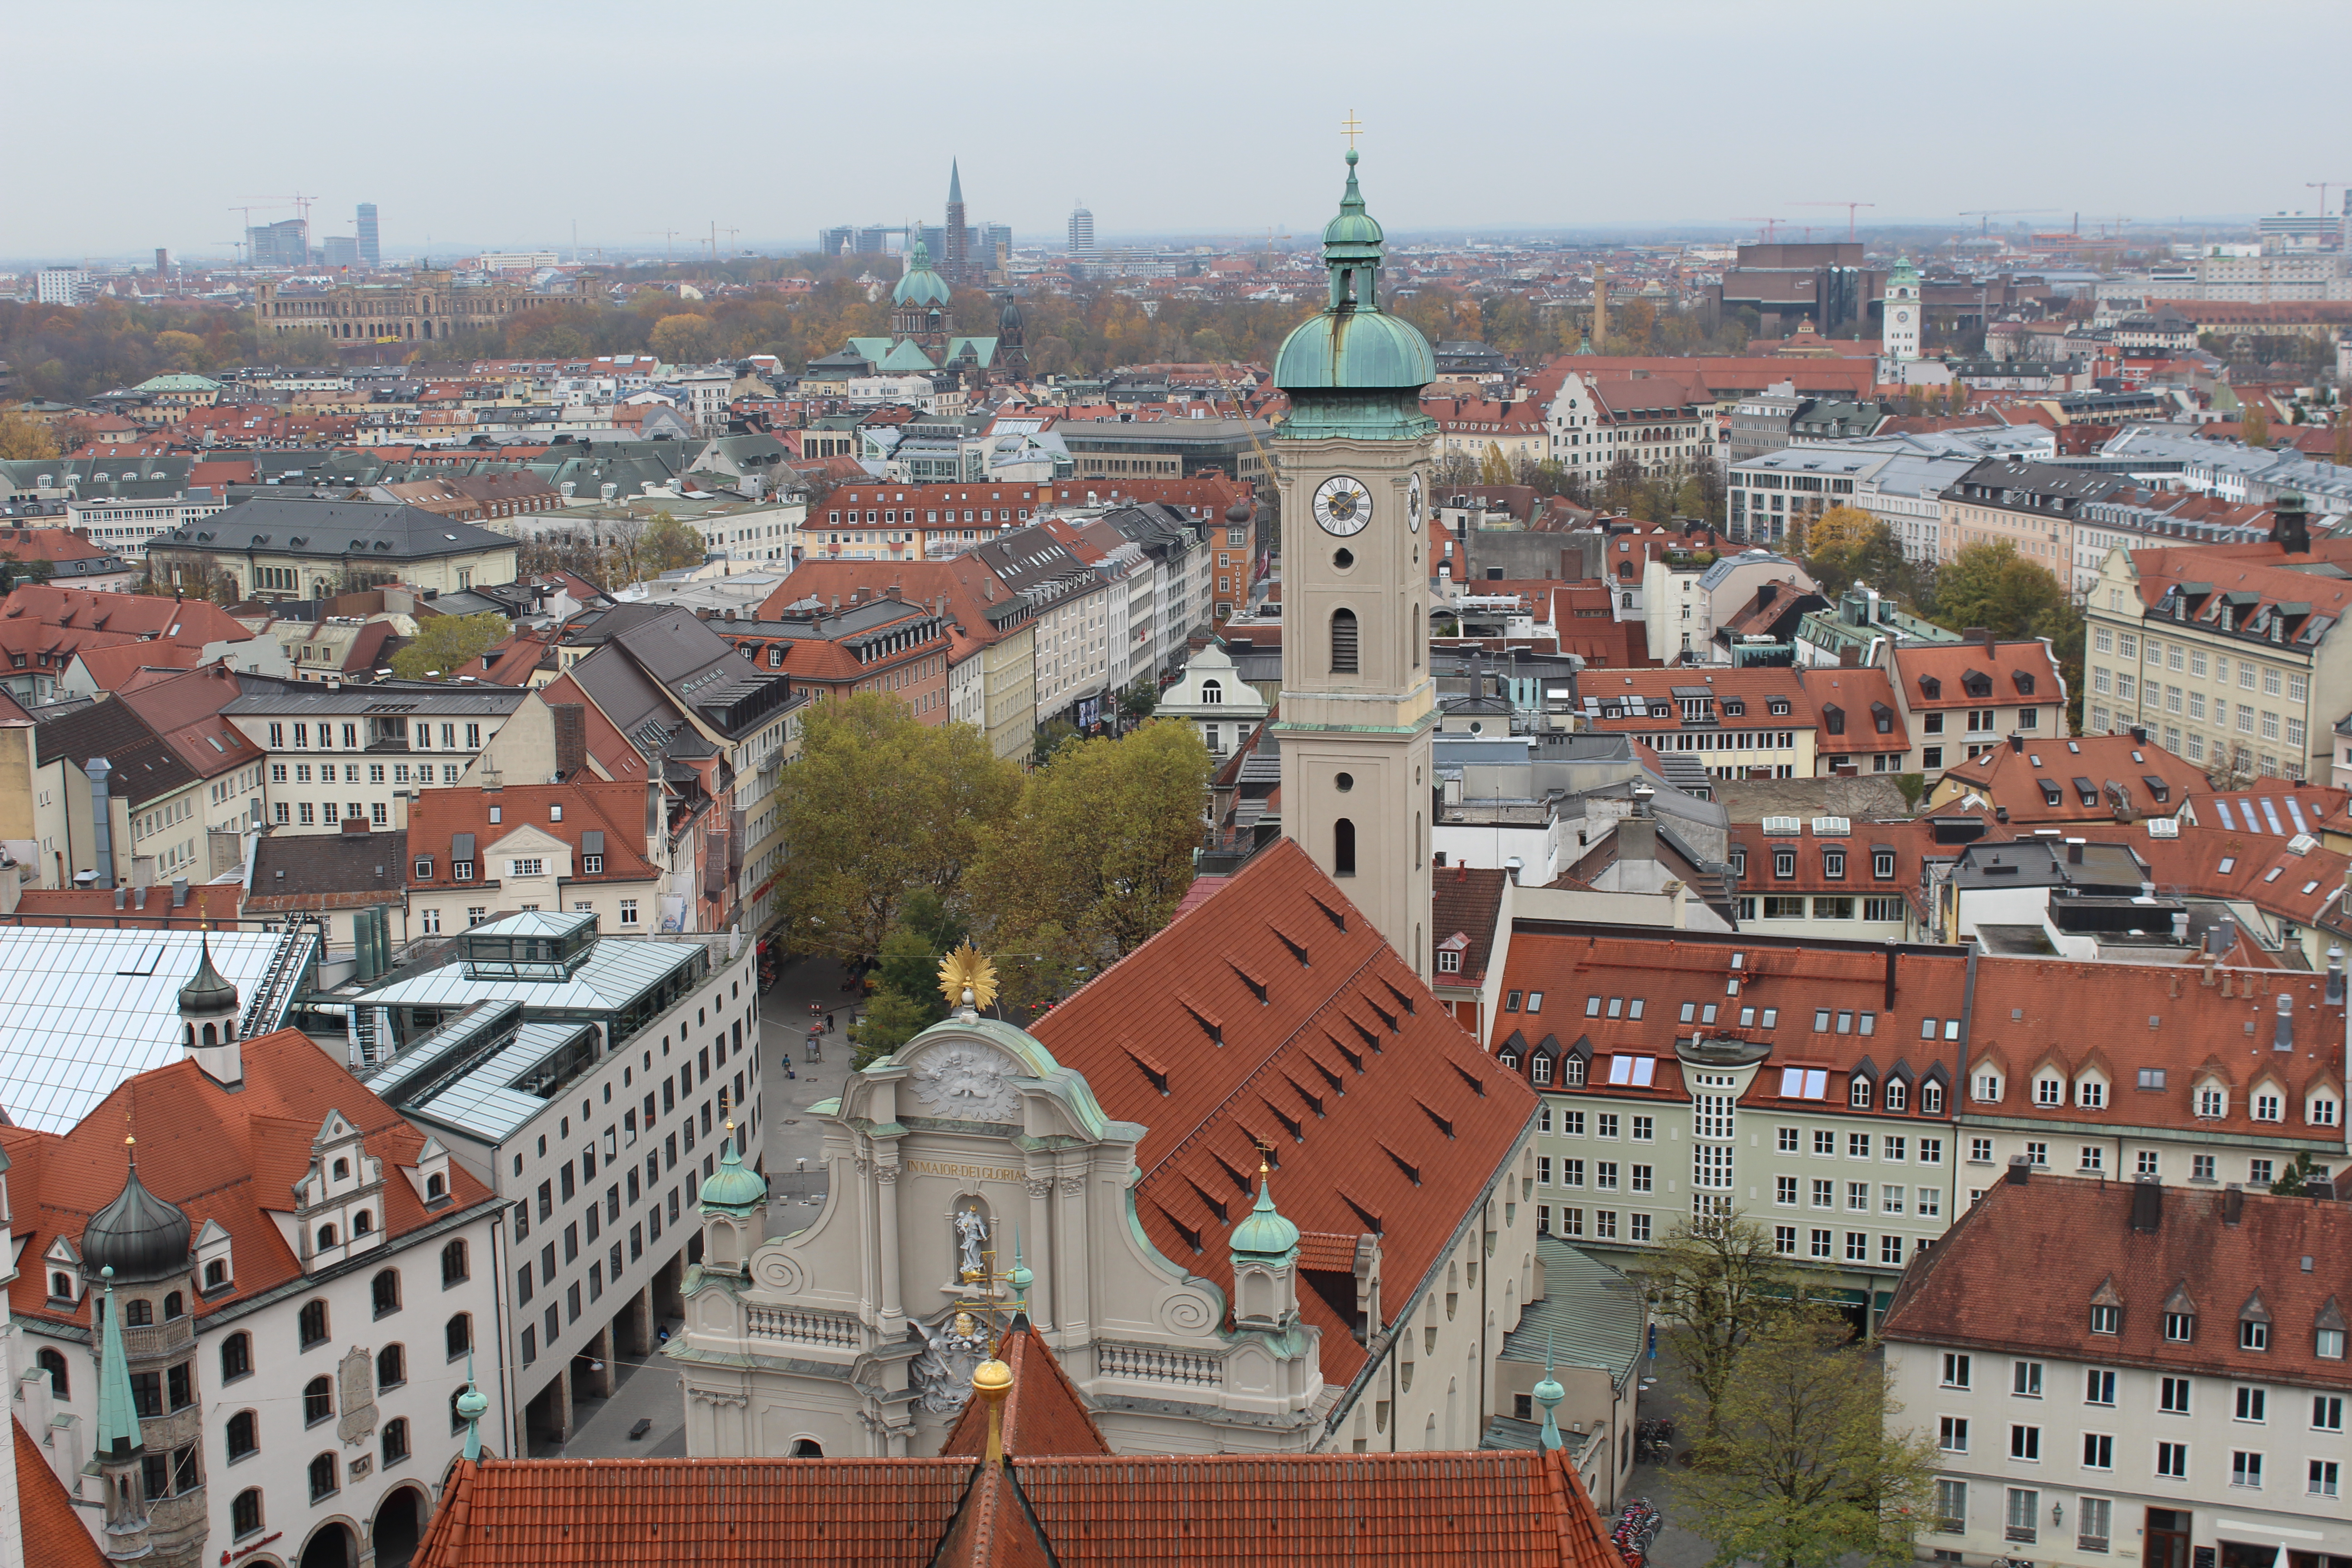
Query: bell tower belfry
[[1358, 705]]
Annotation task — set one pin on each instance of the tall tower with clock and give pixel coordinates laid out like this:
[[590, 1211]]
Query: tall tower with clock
[[1899, 323], [1358, 705]]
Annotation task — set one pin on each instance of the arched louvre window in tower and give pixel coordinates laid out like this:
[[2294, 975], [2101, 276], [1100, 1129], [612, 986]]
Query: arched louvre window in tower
[[1343, 642], [1343, 847]]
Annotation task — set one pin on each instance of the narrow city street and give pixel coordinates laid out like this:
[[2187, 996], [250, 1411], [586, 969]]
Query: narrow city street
[[650, 1390]]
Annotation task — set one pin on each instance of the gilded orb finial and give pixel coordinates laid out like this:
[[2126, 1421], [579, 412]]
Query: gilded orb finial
[[967, 979]]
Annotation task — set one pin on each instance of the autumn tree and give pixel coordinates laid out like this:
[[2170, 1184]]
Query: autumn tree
[[1992, 587], [684, 339], [1099, 850], [1492, 469], [1807, 1466], [636, 548], [446, 644], [878, 807], [1716, 1284], [2255, 426], [1846, 545], [23, 436]]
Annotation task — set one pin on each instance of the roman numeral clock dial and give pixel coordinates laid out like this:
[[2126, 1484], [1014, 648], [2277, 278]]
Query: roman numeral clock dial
[[1342, 505]]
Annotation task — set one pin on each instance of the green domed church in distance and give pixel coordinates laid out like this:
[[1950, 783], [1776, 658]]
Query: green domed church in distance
[[1358, 703]]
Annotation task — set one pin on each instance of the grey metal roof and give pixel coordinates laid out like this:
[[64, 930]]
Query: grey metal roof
[[1590, 1314], [443, 700], [81, 1010]]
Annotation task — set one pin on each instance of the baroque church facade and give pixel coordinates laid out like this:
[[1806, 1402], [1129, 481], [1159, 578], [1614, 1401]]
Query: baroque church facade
[[1253, 1186]]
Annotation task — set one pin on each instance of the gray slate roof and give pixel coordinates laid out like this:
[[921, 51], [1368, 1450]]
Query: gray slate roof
[[332, 529]]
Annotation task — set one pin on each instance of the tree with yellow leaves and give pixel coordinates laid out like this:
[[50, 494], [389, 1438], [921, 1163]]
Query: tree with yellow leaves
[[23, 436]]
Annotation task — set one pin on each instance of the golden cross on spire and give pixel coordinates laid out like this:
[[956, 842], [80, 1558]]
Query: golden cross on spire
[[1265, 1149], [1350, 127]]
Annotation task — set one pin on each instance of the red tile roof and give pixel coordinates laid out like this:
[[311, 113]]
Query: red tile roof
[[219, 1154], [1496, 1507], [183, 708], [1949, 667], [193, 621], [2075, 1239], [113, 663], [1045, 1414], [48, 1524], [212, 903], [1274, 1011], [614, 809], [2010, 778], [1465, 902], [1593, 986], [2117, 1018]]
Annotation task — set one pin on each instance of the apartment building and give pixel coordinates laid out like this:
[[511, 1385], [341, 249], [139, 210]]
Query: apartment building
[[1854, 1098], [1805, 722], [300, 1281], [584, 1079], [345, 754], [2226, 653], [1833, 878], [2127, 1371], [1071, 607], [578, 847], [2032, 506], [1962, 699]]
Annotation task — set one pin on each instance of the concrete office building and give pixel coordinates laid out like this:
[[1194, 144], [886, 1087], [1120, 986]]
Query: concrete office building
[[584, 1079]]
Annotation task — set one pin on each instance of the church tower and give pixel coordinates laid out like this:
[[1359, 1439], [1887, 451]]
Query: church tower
[[1358, 703], [955, 238], [1900, 319]]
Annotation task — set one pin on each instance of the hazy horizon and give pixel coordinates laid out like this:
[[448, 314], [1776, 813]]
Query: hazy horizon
[[502, 127]]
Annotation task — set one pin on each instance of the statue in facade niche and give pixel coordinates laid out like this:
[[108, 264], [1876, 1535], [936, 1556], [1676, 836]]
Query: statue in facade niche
[[972, 1232], [941, 1374]]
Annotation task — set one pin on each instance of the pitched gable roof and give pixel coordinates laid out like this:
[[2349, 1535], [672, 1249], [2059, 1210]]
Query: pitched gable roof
[[224, 1155], [1276, 1012]]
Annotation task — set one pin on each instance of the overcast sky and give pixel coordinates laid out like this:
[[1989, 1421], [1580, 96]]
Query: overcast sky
[[503, 123]]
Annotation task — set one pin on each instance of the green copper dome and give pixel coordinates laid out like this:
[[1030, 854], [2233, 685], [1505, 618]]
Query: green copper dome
[[1353, 369], [920, 286], [734, 1187], [1265, 1233]]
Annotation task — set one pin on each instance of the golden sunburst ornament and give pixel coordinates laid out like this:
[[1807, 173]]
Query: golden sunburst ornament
[[967, 979]]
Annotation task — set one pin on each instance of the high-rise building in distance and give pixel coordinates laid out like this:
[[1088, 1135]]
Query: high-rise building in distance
[[341, 251], [1082, 234], [284, 244], [371, 256]]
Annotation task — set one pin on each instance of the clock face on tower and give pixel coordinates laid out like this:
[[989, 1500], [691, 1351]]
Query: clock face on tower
[[1342, 505], [1901, 316], [1412, 504]]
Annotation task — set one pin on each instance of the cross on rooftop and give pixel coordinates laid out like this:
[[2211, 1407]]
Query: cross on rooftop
[[1350, 127]]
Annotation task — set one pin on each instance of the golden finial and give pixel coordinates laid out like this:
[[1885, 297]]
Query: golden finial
[[1264, 1149], [1352, 127], [967, 979]]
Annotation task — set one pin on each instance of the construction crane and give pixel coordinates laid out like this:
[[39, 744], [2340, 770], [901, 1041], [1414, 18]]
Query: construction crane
[[1770, 224], [2322, 188], [667, 235], [1984, 216], [1849, 206]]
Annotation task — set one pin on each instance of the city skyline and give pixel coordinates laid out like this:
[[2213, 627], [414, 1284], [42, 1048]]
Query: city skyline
[[1619, 148]]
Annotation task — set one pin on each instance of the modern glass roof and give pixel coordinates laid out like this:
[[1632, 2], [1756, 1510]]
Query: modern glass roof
[[80, 1011], [618, 971], [477, 1073]]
